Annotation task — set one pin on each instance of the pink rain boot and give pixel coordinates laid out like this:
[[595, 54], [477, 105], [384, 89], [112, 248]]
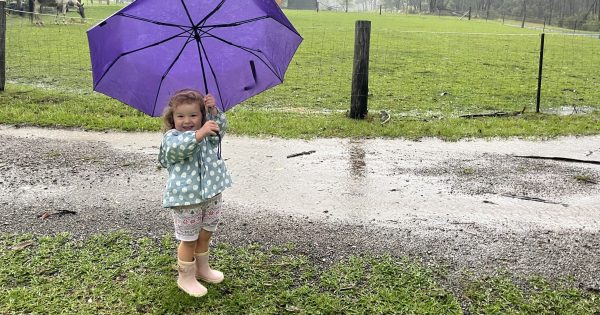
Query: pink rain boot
[[203, 271], [187, 280]]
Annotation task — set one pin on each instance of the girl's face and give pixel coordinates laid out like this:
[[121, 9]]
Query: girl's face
[[187, 116]]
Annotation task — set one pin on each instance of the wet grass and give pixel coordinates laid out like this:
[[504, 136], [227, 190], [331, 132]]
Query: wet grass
[[585, 178], [117, 274], [21, 105], [424, 71]]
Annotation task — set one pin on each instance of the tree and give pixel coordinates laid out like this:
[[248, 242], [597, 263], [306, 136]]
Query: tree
[[392, 4]]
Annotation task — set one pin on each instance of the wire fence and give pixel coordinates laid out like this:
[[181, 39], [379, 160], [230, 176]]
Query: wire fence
[[54, 56], [411, 73]]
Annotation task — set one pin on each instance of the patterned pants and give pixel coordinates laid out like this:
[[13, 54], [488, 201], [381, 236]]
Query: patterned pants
[[189, 220]]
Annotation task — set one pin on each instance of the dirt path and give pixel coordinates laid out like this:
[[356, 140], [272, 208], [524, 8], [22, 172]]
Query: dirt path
[[471, 205]]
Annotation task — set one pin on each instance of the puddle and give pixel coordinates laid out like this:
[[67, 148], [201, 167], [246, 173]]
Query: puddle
[[570, 110]]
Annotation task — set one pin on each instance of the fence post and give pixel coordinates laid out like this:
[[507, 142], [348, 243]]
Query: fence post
[[544, 28], [469, 13], [524, 14], [2, 44], [360, 71], [539, 87]]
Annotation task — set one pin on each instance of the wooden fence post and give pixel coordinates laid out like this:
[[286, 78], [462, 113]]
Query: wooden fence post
[[524, 14], [2, 44], [360, 71]]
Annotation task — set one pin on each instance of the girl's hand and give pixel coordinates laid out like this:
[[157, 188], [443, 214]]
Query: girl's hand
[[210, 128], [210, 104]]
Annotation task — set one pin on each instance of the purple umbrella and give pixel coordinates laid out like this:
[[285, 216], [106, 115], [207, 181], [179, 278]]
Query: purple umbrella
[[233, 49]]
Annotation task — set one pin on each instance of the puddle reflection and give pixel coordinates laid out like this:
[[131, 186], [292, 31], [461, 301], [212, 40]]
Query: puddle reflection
[[358, 166]]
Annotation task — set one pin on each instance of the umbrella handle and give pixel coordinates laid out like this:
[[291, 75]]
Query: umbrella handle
[[253, 69], [219, 146]]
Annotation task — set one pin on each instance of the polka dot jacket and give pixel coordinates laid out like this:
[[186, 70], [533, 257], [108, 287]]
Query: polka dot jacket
[[195, 172]]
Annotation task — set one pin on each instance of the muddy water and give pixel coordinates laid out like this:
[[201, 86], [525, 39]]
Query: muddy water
[[398, 182]]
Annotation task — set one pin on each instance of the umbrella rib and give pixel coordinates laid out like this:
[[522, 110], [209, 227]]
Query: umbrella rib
[[149, 20], [238, 23], [253, 20], [132, 51], [187, 12], [204, 19], [199, 44], [167, 72], [249, 50]]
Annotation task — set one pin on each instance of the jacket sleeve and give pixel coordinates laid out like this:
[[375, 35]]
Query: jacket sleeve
[[221, 120], [177, 146]]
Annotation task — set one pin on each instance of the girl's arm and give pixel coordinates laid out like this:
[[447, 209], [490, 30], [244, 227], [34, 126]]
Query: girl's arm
[[177, 146]]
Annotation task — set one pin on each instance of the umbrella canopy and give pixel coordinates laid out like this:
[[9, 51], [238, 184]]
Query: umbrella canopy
[[233, 49]]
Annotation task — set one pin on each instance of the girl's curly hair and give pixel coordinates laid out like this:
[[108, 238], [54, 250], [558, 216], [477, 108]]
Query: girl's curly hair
[[184, 96]]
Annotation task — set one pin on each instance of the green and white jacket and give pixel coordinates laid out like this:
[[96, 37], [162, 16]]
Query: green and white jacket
[[196, 173]]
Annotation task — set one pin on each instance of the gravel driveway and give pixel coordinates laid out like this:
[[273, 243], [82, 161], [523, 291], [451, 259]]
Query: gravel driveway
[[469, 205]]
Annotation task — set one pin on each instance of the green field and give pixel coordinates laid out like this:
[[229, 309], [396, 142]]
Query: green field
[[425, 71]]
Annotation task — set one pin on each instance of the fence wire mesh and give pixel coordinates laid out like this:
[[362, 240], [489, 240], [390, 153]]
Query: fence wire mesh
[[411, 73]]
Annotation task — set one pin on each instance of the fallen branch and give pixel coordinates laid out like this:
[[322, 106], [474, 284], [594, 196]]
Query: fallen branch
[[535, 199], [385, 117], [458, 222], [45, 215], [586, 180], [349, 287], [301, 153], [557, 158], [494, 114], [21, 245]]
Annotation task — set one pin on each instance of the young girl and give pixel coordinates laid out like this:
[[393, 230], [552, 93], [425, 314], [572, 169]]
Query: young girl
[[190, 150]]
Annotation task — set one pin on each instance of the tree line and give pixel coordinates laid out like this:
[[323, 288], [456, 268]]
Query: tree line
[[577, 14]]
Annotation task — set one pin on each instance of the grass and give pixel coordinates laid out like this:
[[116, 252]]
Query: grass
[[500, 295], [117, 274], [424, 71], [23, 105], [585, 178]]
